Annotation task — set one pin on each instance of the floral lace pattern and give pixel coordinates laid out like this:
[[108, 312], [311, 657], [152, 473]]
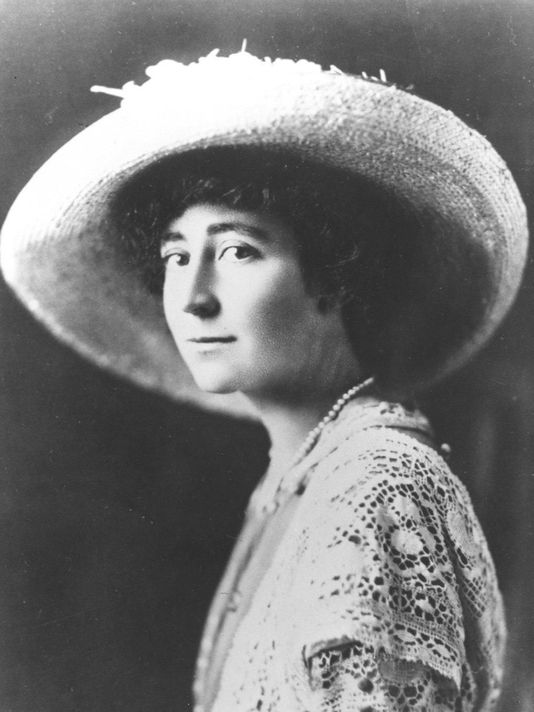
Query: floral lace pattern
[[354, 677], [381, 595]]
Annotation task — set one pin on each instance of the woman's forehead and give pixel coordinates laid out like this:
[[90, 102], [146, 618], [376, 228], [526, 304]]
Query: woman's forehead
[[212, 219]]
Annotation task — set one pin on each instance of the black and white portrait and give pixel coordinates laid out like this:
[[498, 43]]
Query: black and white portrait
[[267, 356]]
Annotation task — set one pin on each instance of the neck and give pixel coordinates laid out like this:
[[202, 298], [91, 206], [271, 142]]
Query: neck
[[289, 416]]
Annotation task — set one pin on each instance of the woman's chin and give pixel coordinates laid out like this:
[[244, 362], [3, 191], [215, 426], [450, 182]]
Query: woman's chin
[[215, 384]]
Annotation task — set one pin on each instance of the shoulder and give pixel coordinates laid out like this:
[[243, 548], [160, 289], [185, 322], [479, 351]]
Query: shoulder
[[376, 462], [397, 499], [390, 494]]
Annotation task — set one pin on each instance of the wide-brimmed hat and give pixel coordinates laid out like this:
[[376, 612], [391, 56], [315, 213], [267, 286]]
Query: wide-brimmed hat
[[61, 255]]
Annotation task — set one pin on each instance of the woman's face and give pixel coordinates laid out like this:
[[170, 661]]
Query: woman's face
[[236, 303]]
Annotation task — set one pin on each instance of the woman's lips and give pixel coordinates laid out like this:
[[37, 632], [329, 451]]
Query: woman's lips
[[209, 345], [212, 339]]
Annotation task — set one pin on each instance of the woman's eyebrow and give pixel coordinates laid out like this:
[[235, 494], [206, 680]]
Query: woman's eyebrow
[[171, 236], [217, 228], [236, 226]]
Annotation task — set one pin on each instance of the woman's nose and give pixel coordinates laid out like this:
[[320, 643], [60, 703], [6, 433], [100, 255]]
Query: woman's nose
[[200, 298]]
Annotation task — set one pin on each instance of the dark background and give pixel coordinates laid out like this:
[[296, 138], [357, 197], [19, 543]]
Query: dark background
[[118, 507]]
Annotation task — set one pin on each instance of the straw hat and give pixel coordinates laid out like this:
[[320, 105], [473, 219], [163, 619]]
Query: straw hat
[[60, 254]]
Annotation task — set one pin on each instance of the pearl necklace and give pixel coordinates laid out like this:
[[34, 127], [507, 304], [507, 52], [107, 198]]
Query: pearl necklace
[[313, 435], [268, 497]]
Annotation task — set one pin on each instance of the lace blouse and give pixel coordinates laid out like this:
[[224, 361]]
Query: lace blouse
[[361, 582]]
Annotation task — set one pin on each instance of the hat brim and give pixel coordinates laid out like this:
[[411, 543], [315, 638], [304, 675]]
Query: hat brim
[[59, 254]]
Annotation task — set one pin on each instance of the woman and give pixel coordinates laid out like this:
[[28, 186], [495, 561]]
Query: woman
[[326, 246]]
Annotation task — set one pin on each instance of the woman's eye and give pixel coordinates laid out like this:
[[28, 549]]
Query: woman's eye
[[237, 253], [179, 259]]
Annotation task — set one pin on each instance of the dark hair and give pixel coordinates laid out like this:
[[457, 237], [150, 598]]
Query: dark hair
[[352, 242]]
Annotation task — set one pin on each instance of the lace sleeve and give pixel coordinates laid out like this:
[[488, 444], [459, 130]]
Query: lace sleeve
[[353, 677], [399, 565]]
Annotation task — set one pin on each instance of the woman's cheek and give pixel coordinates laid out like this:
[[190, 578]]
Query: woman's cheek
[[280, 311]]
